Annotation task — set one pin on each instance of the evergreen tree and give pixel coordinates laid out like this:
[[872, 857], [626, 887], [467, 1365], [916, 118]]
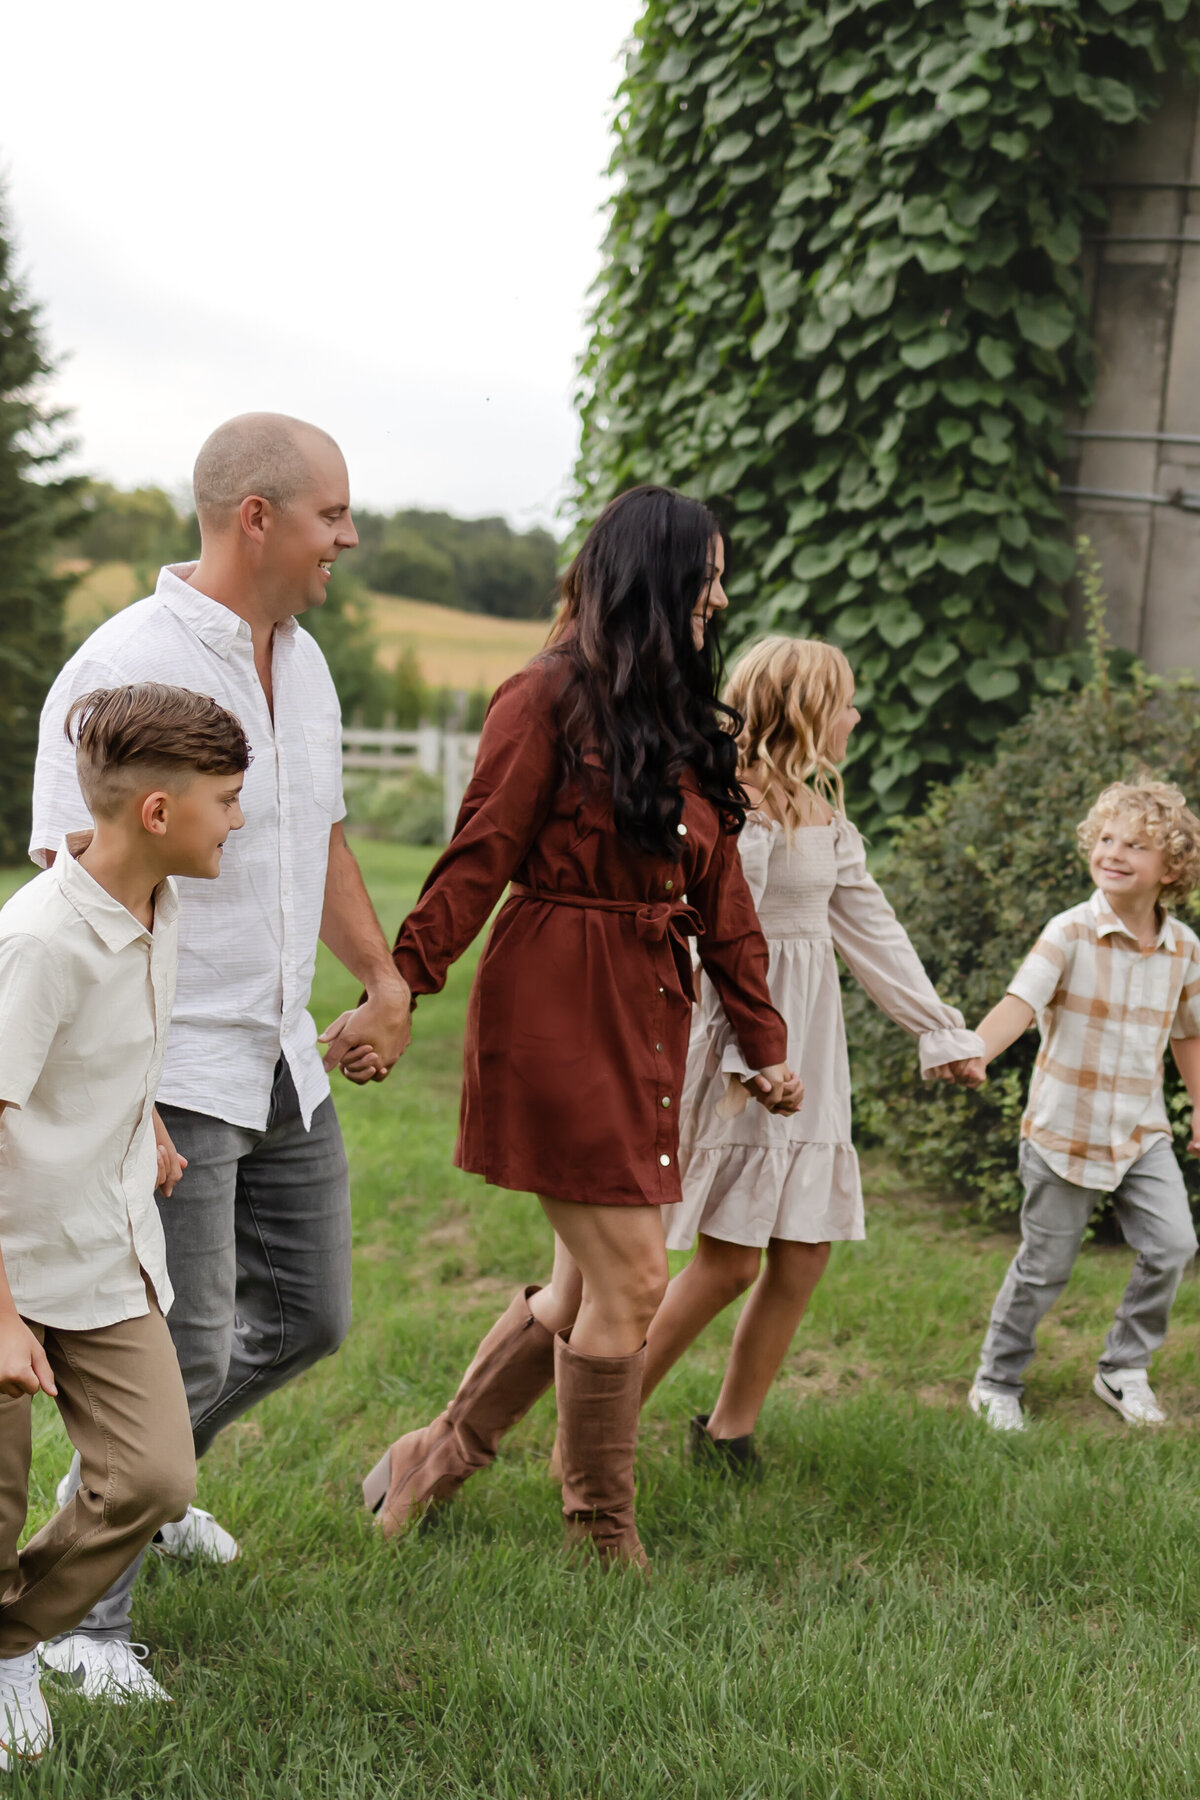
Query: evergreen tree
[[36, 509]]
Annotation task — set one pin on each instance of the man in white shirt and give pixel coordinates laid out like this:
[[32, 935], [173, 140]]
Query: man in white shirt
[[258, 1229]]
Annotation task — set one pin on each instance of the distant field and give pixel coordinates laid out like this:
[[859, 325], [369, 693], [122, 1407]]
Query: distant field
[[455, 649]]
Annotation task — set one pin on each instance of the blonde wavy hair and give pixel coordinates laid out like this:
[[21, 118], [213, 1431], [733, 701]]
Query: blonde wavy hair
[[789, 691], [1161, 810]]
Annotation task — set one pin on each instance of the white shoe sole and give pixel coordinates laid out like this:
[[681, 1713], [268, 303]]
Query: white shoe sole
[[1106, 1394]]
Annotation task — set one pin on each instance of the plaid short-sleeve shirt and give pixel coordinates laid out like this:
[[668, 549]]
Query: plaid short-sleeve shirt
[[1105, 1009]]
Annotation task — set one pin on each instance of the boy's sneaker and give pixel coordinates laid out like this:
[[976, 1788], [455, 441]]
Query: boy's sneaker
[[196, 1537], [1128, 1392], [25, 1729], [996, 1407], [104, 1668]]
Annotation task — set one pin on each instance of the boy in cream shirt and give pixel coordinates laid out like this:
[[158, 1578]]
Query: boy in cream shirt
[[87, 974]]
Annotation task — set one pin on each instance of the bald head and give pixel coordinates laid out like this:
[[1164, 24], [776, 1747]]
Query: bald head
[[265, 454]]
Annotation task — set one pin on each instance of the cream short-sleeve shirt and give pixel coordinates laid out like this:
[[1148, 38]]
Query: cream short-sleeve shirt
[[85, 1001]]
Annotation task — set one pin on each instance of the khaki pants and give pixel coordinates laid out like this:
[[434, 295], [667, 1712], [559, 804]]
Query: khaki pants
[[122, 1401]]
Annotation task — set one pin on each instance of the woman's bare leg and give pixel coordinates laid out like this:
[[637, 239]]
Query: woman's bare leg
[[619, 1254], [555, 1306], [764, 1332], [714, 1278]]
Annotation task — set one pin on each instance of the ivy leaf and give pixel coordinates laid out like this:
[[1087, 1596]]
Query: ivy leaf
[[872, 295], [996, 357], [827, 418], [731, 147], [935, 656], [1020, 569], [897, 623], [770, 334], [968, 207], [934, 347], [832, 377], [805, 513], [674, 66], [781, 421], [1112, 99], [816, 559], [816, 334], [1013, 144], [989, 451], [1063, 242], [1047, 322], [953, 432], [923, 216], [935, 259], [964, 554], [988, 682], [845, 73], [1055, 558]]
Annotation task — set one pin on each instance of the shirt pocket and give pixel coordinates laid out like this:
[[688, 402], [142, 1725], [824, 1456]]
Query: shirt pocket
[[321, 738]]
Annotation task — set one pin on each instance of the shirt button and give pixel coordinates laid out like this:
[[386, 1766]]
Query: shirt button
[[658, 1047], [666, 1099], [662, 990], [665, 1161], [682, 830], [668, 885]]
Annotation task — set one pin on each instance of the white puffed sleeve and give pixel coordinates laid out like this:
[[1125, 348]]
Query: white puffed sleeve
[[876, 949]]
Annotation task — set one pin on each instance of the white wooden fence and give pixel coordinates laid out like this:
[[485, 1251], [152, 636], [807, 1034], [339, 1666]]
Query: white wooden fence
[[450, 754]]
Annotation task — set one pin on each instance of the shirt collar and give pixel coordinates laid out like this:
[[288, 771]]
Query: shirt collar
[[113, 923], [1107, 922], [214, 624]]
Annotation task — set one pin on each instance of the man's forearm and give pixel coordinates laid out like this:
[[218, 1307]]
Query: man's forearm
[[1186, 1052], [349, 926]]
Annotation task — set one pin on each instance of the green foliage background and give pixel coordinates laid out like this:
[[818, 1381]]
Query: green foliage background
[[842, 295], [480, 565], [973, 879], [36, 507]]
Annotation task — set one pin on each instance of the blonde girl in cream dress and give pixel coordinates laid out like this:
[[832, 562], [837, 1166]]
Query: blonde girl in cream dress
[[767, 1195]]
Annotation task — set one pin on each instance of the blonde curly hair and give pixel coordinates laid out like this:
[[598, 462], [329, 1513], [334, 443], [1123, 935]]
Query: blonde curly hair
[[1161, 810], [789, 691]]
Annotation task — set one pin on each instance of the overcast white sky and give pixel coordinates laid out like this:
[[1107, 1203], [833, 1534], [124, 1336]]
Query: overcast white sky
[[377, 214]]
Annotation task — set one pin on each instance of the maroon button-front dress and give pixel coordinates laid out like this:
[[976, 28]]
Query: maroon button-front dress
[[577, 1030]]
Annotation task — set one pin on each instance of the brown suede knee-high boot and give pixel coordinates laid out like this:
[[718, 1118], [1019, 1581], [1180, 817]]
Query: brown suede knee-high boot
[[599, 1399], [512, 1367]]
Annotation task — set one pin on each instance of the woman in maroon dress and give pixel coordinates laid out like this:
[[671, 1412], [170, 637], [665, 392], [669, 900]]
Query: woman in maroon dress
[[605, 791]]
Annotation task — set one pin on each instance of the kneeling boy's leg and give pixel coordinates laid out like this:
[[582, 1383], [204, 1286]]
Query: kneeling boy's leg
[[1152, 1209], [1054, 1218], [122, 1401]]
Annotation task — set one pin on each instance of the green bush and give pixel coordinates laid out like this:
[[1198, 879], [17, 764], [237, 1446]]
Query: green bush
[[973, 878], [404, 809]]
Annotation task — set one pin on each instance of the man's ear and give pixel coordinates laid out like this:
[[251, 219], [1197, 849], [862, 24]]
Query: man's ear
[[154, 812], [254, 516]]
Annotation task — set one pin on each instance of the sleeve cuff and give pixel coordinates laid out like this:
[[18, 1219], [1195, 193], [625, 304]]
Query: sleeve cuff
[[938, 1047]]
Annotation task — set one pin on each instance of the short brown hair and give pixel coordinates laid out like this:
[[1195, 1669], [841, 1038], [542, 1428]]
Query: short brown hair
[[1163, 813], [149, 735]]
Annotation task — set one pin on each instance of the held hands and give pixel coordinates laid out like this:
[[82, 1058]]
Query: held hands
[[170, 1164], [971, 1072], [367, 1042], [1194, 1133], [777, 1089], [23, 1365]]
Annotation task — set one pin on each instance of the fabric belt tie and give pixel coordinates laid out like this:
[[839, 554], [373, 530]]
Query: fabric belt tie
[[654, 920]]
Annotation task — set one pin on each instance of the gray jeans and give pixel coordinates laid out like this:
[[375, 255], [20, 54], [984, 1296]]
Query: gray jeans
[[258, 1251], [1152, 1210]]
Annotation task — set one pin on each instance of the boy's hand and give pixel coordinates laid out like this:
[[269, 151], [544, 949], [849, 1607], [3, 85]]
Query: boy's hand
[[23, 1365], [777, 1089], [170, 1164]]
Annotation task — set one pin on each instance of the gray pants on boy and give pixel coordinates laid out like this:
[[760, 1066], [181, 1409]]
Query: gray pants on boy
[[1152, 1210]]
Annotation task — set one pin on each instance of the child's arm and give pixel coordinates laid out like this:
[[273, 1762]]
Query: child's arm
[[1004, 1025], [23, 1365], [170, 1164], [1186, 1052]]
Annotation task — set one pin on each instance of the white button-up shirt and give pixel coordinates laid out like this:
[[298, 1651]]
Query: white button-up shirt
[[85, 1002], [1105, 1008], [247, 941]]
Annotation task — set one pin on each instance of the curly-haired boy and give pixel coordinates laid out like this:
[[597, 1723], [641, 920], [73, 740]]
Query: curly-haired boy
[[1109, 982]]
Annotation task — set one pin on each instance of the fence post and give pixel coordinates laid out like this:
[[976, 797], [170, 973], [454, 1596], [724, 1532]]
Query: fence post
[[429, 749]]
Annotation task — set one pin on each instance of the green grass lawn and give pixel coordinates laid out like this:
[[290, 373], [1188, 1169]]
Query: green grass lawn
[[905, 1606]]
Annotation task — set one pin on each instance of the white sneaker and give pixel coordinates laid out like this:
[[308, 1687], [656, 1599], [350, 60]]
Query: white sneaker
[[25, 1728], [1000, 1410], [1128, 1392], [104, 1668], [196, 1537]]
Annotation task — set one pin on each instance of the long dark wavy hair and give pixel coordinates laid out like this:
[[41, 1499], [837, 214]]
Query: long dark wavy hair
[[642, 697]]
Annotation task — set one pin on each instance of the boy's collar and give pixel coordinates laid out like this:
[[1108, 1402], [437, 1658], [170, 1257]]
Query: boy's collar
[[113, 923], [1108, 921]]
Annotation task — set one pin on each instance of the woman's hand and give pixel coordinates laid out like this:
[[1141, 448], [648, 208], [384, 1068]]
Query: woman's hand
[[776, 1088], [971, 1072], [368, 1041], [170, 1164]]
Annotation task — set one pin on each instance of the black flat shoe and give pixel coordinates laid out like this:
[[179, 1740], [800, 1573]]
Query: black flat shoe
[[724, 1456]]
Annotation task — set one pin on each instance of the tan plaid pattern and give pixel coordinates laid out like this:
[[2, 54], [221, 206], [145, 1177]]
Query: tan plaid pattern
[[1105, 1009]]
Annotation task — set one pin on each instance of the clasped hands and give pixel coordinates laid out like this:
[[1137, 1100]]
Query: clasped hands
[[971, 1072], [776, 1088], [367, 1042]]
